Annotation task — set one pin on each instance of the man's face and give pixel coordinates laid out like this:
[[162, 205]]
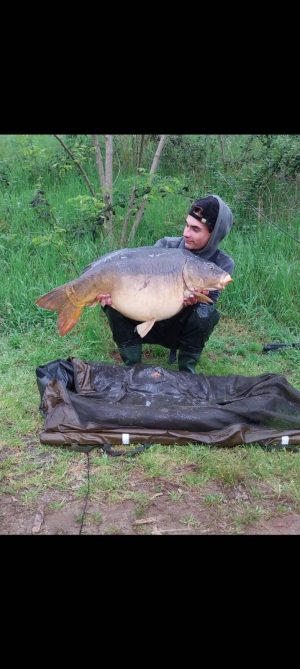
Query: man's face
[[196, 234]]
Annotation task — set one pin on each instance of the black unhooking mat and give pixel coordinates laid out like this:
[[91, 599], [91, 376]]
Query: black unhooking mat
[[90, 404]]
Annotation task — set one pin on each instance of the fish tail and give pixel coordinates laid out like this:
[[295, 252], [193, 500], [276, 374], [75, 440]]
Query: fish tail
[[68, 317], [68, 312]]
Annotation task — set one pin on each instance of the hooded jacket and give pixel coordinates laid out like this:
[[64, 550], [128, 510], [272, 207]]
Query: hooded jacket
[[210, 251]]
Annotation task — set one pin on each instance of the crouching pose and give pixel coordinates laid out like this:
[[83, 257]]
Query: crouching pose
[[208, 221]]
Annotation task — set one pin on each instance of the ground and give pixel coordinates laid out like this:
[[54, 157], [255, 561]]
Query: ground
[[151, 506]]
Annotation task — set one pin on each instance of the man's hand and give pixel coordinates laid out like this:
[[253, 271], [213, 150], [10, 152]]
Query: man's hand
[[192, 299], [104, 299]]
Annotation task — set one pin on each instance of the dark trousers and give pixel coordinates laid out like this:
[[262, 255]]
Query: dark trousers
[[187, 331]]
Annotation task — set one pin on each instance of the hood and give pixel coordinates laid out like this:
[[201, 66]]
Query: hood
[[222, 227]]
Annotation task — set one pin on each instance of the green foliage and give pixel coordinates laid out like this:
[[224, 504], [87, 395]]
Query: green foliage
[[268, 165], [33, 158], [82, 150], [25, 158], [127, 150], [5, 176], [190, 152], [88, 211], [281, 155]]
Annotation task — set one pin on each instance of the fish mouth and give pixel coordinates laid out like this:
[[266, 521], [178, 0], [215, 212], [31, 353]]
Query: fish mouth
[[215, 286], [224, 282]]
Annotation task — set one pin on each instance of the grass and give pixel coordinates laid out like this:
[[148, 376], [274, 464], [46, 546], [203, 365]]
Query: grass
[[248, 517], [260, 306], [190, 521], [214, 499], [57, 505]]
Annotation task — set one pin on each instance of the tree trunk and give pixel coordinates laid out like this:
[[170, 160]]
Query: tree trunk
[[158, 153], [105, 177], [126, 219], [99, 161], [221, 140], [153, 169], [141, 148], [134, 149], [109, 179]]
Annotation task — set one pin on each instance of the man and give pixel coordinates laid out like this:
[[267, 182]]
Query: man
[[209, 220]]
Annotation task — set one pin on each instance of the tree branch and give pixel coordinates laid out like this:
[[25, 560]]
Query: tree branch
[[77, 163]]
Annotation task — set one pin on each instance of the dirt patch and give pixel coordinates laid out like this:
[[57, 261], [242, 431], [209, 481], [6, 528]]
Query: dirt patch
[[287, 524], [144, 504], [173, 510], [160, 517]]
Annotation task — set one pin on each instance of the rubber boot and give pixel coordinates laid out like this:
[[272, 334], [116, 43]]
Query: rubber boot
[[187, 360], [172, 356], [131, 354]]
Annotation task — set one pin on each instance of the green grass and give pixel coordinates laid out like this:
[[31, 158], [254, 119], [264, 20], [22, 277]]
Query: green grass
[[248, 517], [190, 521], [213, 499]]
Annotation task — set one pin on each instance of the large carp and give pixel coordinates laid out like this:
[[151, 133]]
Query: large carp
[[146, 284]]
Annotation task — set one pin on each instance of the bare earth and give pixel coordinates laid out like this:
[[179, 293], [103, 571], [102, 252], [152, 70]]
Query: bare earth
[[160, 519], [171, 508]]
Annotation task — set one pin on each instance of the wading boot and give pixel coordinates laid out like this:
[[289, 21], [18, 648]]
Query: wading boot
[[187, 360], [131, 354], [172, 356]]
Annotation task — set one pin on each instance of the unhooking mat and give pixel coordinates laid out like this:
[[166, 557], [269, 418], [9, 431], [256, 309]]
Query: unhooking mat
[[90, 403]]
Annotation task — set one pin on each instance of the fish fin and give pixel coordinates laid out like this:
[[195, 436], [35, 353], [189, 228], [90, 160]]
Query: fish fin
[[58, 300], [68, 317], [143, 328], [54, 300], [204, 298]]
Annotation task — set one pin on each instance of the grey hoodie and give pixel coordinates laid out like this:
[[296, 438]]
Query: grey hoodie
[[210, 252]]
